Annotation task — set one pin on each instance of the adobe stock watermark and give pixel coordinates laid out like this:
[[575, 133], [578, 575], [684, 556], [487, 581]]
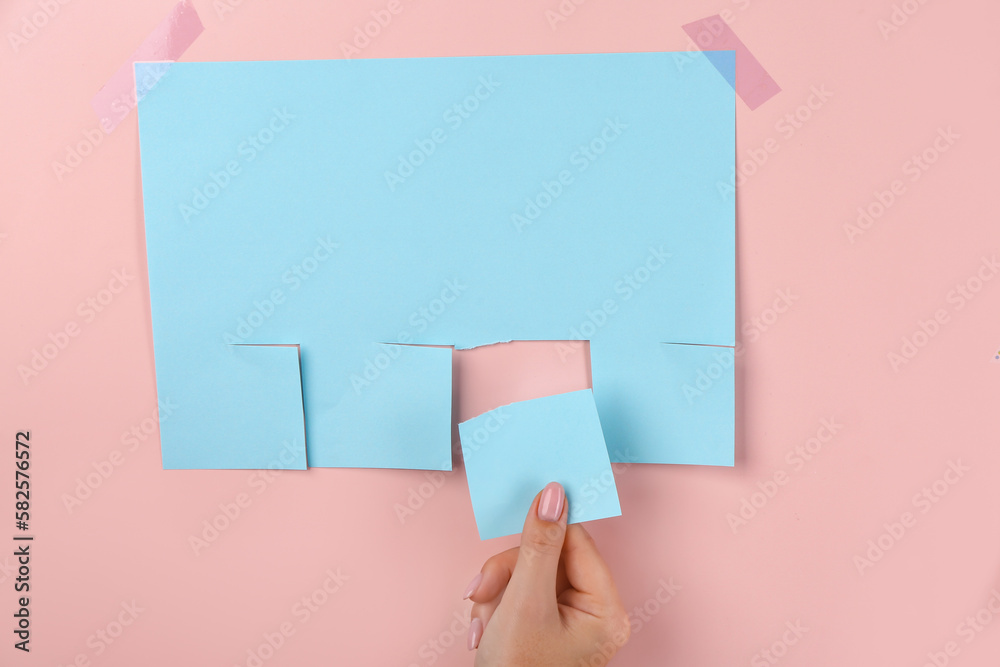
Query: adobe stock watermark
[[7, 569], [582, 158], [104, 637], [247, 151], [225, 7], [899, 16], [923, 501], [914, 168], [33, 22], [638, 619], [103, 469], [796, 458], [630, 284], [794, 632], [705, 378], [300, 613], [456, 631], [562, 12], [494, 421], [295, 276], [596, 487], [75, 152], [369, 31], [967, 631], [706, 37], [418, 496], [419, 321], [957, 298], [233, 510], [122, 105], [786, 126], [593, 489], [725, 357], [88, 309], [640, 616], [454, 116], [622, 460]]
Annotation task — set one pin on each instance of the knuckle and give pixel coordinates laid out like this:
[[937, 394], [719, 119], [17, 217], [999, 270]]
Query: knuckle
[[501, 561], [544, 541], [492, 562]]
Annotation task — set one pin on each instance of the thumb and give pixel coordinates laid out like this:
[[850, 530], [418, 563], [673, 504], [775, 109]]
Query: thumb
[[533, 582]]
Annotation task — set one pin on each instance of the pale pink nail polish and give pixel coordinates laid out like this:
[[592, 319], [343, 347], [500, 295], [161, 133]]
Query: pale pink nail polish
[[550, 506], [475, 633], [470, 590]]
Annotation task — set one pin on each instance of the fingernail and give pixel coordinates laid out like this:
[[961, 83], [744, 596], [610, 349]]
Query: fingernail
[[475, 633], [470, 590], [551, 504]]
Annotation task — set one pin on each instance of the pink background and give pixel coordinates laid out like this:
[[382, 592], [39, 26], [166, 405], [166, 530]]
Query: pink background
[[825, 357]]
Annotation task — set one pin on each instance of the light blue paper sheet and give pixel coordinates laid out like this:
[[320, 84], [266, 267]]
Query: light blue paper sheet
[[362, 209], [512, 452]]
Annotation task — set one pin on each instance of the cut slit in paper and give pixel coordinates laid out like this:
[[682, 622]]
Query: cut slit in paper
[[568, 196]]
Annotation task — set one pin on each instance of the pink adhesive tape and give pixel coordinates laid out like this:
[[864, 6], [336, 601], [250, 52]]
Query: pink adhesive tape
[[753, 84], [168, 41]]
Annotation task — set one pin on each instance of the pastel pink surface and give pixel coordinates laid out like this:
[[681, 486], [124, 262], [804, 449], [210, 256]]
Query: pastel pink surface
[[824, 357]]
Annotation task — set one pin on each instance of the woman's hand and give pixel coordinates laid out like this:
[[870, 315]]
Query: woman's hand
[[551, 601]]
